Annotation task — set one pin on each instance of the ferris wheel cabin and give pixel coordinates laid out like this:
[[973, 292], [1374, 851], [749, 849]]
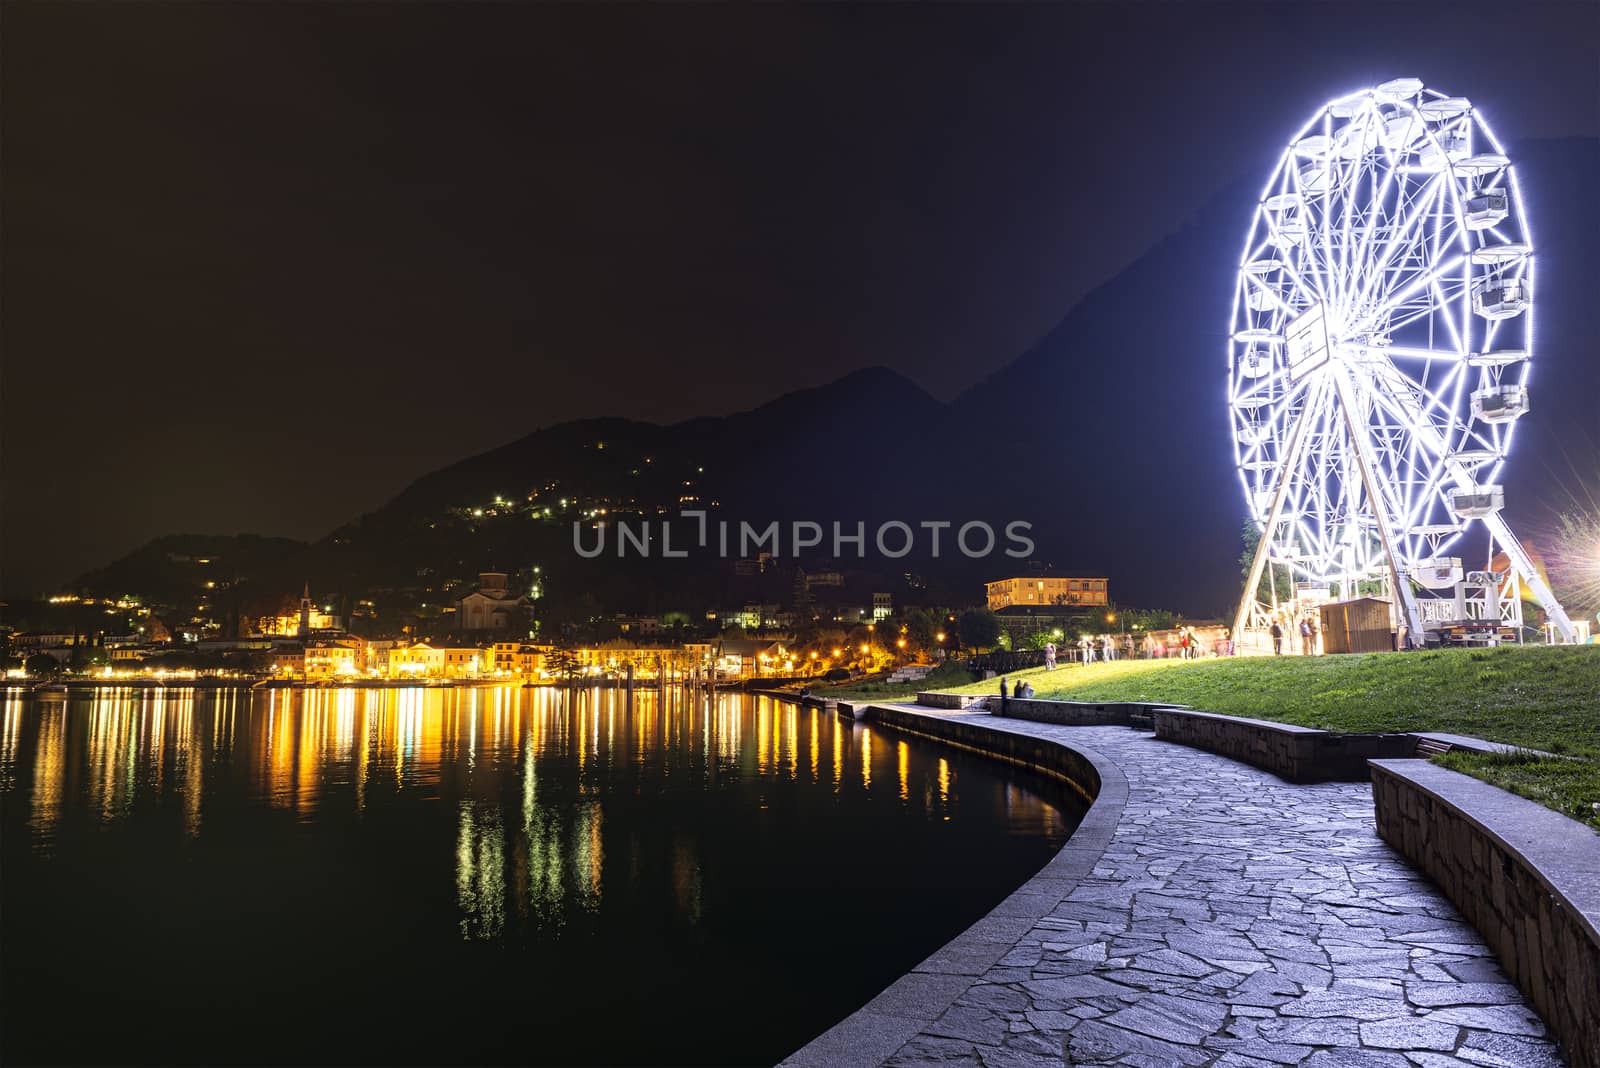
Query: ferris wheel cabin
[[1500, 404]]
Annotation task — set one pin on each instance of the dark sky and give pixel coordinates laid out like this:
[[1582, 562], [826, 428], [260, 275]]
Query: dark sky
[[265, 263]]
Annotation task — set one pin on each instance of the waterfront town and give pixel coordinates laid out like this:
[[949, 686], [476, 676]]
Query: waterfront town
[[489, 631]]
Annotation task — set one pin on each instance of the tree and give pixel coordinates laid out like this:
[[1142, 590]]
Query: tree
[[1041, 638], [1284, 580], [42, 664], [979, 628], [561, 663]]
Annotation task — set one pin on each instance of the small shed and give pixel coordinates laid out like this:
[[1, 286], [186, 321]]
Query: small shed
[[1361, 625]]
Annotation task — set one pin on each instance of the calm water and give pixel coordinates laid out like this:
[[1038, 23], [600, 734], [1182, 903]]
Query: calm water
[[491, 875]]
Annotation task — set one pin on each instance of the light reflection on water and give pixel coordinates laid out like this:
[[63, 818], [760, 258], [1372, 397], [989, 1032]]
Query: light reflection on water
[[564, 830]]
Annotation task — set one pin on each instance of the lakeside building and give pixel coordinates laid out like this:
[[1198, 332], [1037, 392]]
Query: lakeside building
[[424, 660], [518, 659], [330, 659], [377, 656], [1038, 591], [746, 658]]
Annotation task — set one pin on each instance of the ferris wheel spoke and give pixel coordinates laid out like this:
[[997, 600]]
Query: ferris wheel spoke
[[1375, 209], [1404, 285], [1412, 288], [1410, 352], [1281, 408], [1410, 227]]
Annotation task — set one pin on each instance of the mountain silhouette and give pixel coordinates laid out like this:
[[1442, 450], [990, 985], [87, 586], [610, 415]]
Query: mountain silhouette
[[1110, 436]]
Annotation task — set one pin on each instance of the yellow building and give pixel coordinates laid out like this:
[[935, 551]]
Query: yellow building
[[440, 662], [516, 660], [1036, 591], [333, 659]]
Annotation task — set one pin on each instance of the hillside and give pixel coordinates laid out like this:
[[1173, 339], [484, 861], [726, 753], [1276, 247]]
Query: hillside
[[177, 566]]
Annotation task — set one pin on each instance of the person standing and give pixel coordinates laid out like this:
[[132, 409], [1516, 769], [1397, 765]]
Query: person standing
[[1050, 656], [1277, 638], [1305, 637]]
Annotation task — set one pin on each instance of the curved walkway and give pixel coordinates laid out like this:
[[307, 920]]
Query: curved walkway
[[1233, 919]]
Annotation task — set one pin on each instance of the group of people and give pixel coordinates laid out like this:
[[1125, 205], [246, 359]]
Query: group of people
[[1024, 689], [1183, 642], [1186, 644], [1308, 637], [1103, 648]]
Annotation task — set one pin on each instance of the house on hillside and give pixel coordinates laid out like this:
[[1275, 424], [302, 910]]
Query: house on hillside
[[493, 606]]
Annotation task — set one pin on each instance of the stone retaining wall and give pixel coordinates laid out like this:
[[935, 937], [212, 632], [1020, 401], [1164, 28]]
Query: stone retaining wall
[[940, 699], [1066, 713], [1526, 877], [1299, 754]]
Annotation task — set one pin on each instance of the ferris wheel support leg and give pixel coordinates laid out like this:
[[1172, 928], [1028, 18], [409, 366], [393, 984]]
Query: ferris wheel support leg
[[1402, 581], [1279, 492], [1535, 582]]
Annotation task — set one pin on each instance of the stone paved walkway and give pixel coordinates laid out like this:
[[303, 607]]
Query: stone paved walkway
[[1236, 920]]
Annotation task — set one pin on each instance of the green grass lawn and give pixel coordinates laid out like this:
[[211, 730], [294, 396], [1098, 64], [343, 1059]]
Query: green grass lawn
[[1538, 697], [946, 677]]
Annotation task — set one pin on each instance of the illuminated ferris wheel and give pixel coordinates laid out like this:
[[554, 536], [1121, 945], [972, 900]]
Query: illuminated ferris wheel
[[1381, 339]]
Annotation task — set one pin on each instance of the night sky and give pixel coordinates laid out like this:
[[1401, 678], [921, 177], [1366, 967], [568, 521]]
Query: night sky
[[266, 263]]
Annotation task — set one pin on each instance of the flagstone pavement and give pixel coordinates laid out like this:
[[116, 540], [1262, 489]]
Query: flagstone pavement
[[1234, 920]]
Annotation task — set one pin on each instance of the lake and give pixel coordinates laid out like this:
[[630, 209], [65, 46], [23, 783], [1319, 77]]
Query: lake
[[478, 875]]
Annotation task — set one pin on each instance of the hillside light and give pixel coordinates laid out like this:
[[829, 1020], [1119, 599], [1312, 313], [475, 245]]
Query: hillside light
[[939, 637]]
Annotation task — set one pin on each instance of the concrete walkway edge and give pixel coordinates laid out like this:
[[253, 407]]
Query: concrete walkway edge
[[874, 1032]]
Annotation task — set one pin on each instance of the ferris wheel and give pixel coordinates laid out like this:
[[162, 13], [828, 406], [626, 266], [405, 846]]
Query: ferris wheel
[[1381, 338]]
